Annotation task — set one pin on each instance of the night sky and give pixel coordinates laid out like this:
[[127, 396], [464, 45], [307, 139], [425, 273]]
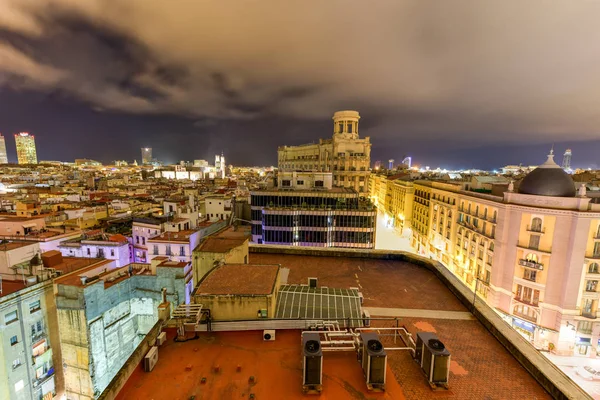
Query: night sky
[[455, 84]]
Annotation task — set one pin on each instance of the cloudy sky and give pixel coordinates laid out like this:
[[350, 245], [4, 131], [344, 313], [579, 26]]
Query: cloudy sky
[[451, 83]]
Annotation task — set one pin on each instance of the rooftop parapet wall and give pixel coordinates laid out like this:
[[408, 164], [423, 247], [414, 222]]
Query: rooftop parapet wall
[[557, 383]]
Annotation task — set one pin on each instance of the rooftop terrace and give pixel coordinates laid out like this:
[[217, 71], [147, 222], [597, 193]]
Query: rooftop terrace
[[481, 367]]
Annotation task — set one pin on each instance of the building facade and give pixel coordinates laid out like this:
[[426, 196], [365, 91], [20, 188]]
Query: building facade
[[421, 216], [26, 151], [27, 369], [532, 252], [146, 155], [337, 217], [345, 155], [104, 314], [3, 154]]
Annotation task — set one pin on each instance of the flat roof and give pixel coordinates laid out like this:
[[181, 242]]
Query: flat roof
[[173, 264], [179, 237], [239, 279], [20, 219], [410, 289], [220, 244], [14, 245], [276, 367], [74, 279], [10, 287]]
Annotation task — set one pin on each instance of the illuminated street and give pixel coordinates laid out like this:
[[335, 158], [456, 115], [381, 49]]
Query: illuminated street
[[569, 365], [388, 238]]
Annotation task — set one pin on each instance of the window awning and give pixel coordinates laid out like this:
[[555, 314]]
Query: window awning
[[29, 225]]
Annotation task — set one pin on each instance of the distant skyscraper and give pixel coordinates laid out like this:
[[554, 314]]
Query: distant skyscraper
[[220, 165], [26, 153], [146, 155], [566, 164], [391, 164], [3, 157], [377, 164]]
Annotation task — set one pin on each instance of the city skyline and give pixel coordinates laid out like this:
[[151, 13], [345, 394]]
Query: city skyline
[[427, 81]]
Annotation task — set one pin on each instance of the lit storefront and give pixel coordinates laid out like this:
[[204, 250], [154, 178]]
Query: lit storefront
[[526, 329]]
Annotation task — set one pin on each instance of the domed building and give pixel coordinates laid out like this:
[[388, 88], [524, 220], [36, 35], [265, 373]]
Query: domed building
[[530, 251], [549, 179]]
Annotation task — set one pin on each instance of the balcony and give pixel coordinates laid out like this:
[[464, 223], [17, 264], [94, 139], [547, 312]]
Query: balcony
[[535, 229], [529, 303], [595, 256], [43, 377], [538, 249], [525, 317], [589, 315], [531, 264]]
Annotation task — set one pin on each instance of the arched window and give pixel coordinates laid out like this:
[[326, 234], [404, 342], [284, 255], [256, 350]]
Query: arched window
[[495, 215], [598, 231], [531, 257], [477, 210], [536, 224], [593, 268]]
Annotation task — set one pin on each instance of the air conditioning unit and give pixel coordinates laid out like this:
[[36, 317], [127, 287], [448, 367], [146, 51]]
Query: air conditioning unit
[[269, 335], [151, 359], [161, 339], [373, 360], [433, 357], [312, 377], [361, 297]]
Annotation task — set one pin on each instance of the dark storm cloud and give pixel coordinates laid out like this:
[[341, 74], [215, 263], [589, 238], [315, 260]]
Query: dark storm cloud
[[464, 73]]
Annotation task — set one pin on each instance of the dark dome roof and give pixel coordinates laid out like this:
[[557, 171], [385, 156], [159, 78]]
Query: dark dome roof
[[548, 180]]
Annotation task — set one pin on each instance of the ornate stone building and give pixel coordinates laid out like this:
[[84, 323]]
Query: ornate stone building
[[345, 155]]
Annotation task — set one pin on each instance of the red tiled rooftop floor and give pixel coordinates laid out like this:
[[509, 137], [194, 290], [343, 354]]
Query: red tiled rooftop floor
[[276, 366], [383, 283], [481, 368]]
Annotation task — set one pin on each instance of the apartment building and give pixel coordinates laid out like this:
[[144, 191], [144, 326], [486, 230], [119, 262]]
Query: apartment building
[[421, 217], [178, 246], [30, 355], [104, 313], [531, 251], [144, 228]]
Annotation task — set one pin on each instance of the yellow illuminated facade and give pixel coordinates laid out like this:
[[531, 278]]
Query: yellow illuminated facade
[[26, 153], [421, 216], [532, 253]]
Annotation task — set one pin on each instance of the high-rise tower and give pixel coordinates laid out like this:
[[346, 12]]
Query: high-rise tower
[[26, 153], [3, 157], [566, 164], [146, 155]]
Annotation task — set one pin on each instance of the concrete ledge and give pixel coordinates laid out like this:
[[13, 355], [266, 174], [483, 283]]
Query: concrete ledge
[[556, 382], [119, 380]]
